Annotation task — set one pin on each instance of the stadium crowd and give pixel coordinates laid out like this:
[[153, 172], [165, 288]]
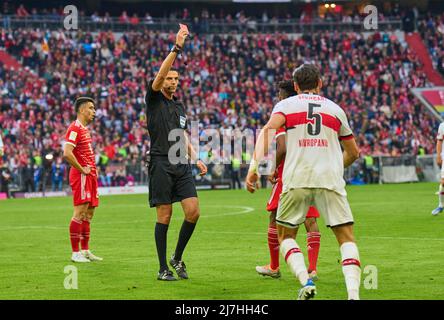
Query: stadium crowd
[[227, 81], [432, 31]]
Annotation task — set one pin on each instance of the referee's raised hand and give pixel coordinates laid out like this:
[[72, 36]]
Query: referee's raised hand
[[181, 36]]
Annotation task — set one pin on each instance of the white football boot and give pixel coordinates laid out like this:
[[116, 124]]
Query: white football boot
[[437, 211], [88, 255], [267, 271], [308, 291], [78, 257]]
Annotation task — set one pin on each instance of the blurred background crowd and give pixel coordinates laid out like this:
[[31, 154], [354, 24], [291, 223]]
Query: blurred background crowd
[[228, 80]]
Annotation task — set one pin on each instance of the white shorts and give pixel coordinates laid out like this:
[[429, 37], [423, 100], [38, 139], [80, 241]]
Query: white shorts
[[442, 171], [294, 204]]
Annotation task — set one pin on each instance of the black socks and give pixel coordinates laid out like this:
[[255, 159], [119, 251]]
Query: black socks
[[160, 234], [185, 234]]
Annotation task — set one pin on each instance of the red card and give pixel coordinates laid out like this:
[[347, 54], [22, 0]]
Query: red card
[[184, 27]]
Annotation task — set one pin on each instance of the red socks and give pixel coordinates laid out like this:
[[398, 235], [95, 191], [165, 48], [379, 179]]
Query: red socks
[[79, 233], [313, 244], [75, 230], [84, 240], [273, 246]]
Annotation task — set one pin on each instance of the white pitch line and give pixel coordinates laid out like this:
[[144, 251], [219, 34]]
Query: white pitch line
[[403, 238], [323, 235], [331, 236], [146, 205], [244, 210]]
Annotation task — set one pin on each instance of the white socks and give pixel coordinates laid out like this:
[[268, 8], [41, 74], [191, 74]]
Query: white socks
[[295, 260], [351, 268], [440, 196]]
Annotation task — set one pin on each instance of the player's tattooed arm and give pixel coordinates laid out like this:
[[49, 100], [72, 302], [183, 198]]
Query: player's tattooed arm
[[281, 149], [168, 62], [264, 140], [266, 136], [68, 155]]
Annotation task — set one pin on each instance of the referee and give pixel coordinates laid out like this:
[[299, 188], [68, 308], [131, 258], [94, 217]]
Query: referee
[[170, 182]]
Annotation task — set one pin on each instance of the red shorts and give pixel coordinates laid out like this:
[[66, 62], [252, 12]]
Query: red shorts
[[273, 202], [85, 188]]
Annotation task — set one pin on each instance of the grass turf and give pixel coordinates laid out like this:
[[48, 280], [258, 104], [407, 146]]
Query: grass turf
[[394, 230]]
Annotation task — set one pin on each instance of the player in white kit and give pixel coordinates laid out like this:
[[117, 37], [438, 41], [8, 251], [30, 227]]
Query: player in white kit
[[439, 157], [313, 174]]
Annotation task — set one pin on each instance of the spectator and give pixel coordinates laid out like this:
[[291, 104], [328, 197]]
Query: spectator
[[119, 178], [148, 18], [22, 12], [95, 17], [27, 175], [57, 175], [105, 178], [235, 172], [38, 177], [134, 170], [124, 17], [5, 179], [368, 168], [106, 18], [134, 19]]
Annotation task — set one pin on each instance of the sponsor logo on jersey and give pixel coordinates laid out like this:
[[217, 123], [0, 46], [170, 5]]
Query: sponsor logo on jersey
[[73, 136]]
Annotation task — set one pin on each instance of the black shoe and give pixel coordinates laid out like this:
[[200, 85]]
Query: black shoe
[[166, 275], [180, 268]]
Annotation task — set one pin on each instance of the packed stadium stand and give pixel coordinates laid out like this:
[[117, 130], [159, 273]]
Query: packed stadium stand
[[228, 79]]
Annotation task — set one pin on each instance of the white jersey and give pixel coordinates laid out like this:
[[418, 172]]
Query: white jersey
[[440, 136], [314, 157]]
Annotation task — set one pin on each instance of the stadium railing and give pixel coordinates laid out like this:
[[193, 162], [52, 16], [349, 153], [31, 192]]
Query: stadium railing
[[427, 168], [204, 26], [388, 169]]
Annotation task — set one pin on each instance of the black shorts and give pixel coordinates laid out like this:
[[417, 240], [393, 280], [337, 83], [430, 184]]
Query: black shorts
[[169, 183]]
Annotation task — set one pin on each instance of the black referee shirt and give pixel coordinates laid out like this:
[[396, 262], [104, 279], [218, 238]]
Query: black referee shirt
[[163, 115]]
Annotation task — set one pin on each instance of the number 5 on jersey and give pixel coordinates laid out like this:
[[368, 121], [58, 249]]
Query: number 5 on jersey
[[314, 129]]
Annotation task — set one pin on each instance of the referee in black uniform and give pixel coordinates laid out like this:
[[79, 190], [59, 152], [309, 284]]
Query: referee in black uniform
[[169, 182]]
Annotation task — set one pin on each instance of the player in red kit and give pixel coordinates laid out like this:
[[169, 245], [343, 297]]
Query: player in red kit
[[286, 89], [79, 154]]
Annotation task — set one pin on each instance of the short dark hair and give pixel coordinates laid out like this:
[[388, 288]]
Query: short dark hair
[[307, 76], [287, 86], [82, 100], [174, 69]]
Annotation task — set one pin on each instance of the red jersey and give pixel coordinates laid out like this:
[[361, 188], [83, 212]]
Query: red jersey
[[280, 167], [79, 137]]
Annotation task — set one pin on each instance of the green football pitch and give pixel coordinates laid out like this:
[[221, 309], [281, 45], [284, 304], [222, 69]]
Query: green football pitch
[[396, 235]]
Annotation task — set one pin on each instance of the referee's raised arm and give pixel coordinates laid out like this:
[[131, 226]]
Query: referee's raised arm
[[168, 62]]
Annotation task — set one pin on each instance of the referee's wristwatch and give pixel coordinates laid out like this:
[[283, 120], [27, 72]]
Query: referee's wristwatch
[[177, 49]]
